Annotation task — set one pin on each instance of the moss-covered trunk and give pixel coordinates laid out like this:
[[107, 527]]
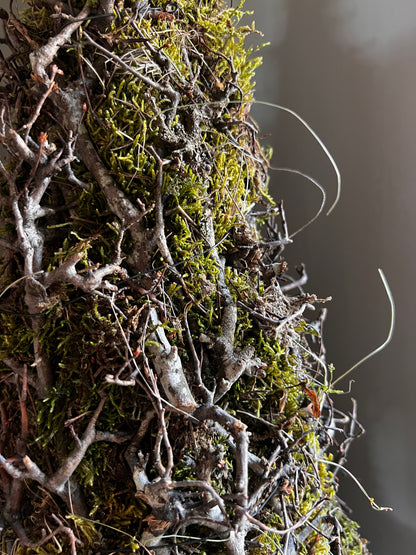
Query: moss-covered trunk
[[162, 389]]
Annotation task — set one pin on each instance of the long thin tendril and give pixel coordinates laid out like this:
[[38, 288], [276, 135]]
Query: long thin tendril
[[317, 139], [351, 475], [389, 335], [314, 182]]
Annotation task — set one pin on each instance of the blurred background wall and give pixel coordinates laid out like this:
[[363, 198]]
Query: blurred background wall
[[349, 68]]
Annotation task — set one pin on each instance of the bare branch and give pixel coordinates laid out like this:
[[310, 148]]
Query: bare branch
[[173, 95], [67, 273], [18, 148], [44, 56], [168, 366], [291, 528]]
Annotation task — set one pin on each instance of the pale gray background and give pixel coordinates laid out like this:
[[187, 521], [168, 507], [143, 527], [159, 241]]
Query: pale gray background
[[349, 68]]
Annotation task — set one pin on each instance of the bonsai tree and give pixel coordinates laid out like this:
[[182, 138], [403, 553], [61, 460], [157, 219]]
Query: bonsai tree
[[162, 388]]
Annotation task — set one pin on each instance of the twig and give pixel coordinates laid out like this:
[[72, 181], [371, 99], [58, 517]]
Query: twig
[[291, 317], [208, 396], [67, 273], [291, 528], [51, 86], [168, 366], [152, 393], [299, 282], [73, 540], [173, 95], [122, 207], [157, 462], [314, 182], [205, 486], [18, 148]]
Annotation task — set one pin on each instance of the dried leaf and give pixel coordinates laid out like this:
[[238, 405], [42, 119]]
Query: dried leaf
[[316, 410]]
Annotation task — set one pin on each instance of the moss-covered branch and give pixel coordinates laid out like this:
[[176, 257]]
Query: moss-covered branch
[[159, 383]]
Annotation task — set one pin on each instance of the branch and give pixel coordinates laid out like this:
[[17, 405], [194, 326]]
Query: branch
[[208, 488], [139, 257], [18, 148], [67, 273], [61, 482], [168, 367], [233, 363], [51, 86], [62, 529], [208, 396], [59, 479], [20, 371], [41, 58], [288, 529]]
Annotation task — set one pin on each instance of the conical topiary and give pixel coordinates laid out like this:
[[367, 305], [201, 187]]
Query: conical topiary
[[162, 390]]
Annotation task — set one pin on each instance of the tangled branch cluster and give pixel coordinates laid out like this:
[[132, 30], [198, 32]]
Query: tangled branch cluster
[[157, 375]]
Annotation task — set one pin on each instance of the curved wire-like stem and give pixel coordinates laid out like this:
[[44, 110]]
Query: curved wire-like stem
[[317, 139], [314, 182], [389, 335], [351, 475], [78, 519]]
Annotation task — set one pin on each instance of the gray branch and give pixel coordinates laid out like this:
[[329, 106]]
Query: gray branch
[[168, 367], [118, 203]]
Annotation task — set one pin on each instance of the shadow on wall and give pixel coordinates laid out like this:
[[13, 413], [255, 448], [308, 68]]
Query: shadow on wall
[[348, 69]]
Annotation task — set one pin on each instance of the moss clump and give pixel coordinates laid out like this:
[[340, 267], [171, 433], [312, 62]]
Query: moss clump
[[164, 389]]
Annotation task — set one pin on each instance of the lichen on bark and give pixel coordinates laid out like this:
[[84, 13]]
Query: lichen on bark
[[163, 390]]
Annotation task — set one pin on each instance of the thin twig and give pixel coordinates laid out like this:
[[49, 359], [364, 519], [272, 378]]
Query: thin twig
[[44, 56], [51, 86], [291, 528]]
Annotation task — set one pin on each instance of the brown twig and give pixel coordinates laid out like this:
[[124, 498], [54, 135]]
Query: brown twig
[[168, 90], [51, 86]]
